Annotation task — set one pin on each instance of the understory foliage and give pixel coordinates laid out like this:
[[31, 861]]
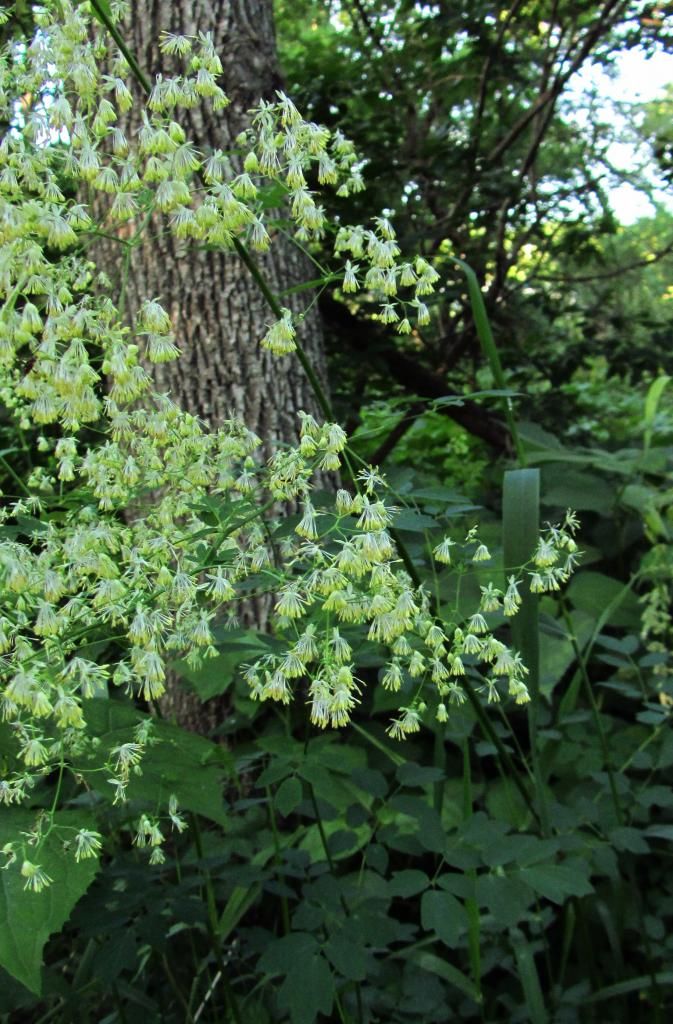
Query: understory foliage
[[190, 870]]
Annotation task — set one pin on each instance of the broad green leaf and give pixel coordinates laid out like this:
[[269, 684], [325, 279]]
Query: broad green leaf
[[558, 881], [179, 762], [288, 796], [313, 844], [408, 883], [338, 757], [371, 781], [217, 674], [411, 774], [308, 989], [282, 954], [504, 801], [347, 956], [442, 913], [576, 489], [414, 522], [439, 494], [384, 745], [429, 832], [484, 833], [473, 395], [506, 897], [557, 653], [537, 437], [242, 898], [521, 527], [629, 839], [592, 592], [27, 919], [103, 6]]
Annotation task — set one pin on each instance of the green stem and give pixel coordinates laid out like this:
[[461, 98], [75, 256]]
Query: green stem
[[15, 477], [325, 407], [342, 899], [274, 305], [589, 690], [487, 339], [471, 907], [284, 906], [490, 350], [105, 20], [503, 754], [176, 988], [213, 923]]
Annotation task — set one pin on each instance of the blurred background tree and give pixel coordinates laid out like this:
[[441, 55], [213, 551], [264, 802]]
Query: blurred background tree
[[486, 137]]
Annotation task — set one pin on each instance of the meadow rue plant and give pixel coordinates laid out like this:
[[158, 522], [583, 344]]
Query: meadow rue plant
[[145, 538]]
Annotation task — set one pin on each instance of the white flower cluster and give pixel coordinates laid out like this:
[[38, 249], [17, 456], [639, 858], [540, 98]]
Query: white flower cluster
[[348, 575], [385, 274], [135, 546]]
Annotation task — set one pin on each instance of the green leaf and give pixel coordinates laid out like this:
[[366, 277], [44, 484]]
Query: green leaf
[[521, 525], [592, 592], [308, 989], [630, 839], [430, 831], [179, 762], [288, 796], [217, 674], [313, 844], [473, 395], [414, 522], [506, 897], [408, 883], [27, 919], [557, 653], [281, 955], [504, 801], [384, 745], [444, 970], [489, 348], [642, 983], [214, 677], [652, 399], [442, 913], [660, 832], [576, 489], [558, 881], [243, 897], [104, 7], [441, 495], [347, 956], [412, 774]]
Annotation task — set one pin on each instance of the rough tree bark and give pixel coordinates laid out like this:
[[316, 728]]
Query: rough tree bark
[[218, 313]]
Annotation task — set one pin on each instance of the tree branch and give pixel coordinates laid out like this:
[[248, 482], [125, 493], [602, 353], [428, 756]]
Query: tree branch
[[370, 342], [606, 274]]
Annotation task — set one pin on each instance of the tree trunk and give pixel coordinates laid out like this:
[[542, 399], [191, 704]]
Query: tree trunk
[[218, 313]]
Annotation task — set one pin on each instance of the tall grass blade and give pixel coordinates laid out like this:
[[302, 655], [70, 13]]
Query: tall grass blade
[[529, 978], [490, 350], [521, 527], [652, 400]]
